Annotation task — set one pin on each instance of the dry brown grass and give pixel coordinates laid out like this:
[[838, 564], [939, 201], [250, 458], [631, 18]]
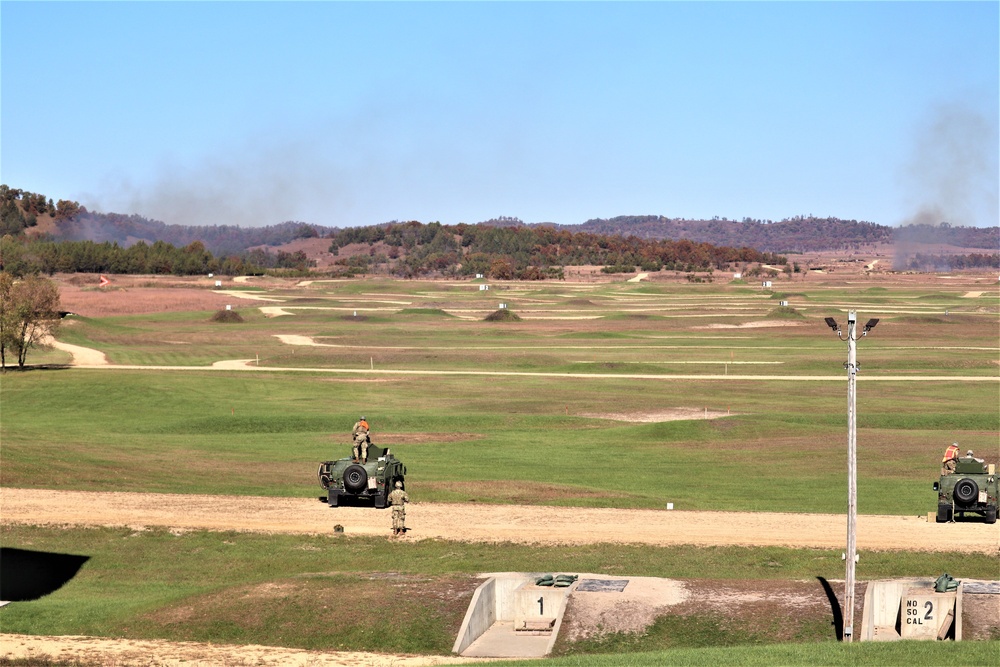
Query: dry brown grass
[[104, 302]]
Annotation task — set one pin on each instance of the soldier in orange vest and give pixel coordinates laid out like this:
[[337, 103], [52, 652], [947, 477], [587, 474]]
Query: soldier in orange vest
[[950, 459], [362, 439]]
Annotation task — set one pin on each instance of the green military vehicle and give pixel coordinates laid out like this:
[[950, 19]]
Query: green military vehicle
[[971, 489], [345, 479]]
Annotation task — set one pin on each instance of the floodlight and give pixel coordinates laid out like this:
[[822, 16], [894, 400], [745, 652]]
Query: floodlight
[[832, 323], [870, 324]]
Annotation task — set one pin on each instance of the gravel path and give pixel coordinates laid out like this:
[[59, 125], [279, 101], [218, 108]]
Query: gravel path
[[493, 523], [149, 653]]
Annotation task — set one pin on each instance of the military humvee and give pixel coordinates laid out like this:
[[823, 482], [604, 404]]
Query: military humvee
[[374, 480], [971, 489]]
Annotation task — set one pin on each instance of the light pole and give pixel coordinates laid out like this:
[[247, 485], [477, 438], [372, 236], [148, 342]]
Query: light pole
[[852, 367]]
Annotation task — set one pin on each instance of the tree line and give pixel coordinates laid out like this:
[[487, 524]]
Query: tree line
[[524, 252], [22, 256], [803, 233]]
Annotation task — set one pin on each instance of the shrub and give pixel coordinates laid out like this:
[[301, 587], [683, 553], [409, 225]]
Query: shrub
[[618, 268]]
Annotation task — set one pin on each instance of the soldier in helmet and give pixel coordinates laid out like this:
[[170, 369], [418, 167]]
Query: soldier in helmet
[[398, 500], [362, 438], [950, 459]]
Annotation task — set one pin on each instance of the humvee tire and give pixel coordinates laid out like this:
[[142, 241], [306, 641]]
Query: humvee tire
[[355, 478], [991, 515], [966, 491], [944, 513]]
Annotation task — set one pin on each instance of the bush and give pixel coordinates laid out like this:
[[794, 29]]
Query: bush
[[618, 268]]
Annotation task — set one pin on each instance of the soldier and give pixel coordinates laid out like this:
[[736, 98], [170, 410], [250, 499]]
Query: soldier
[[362, 439], [398, 500], [950, 459]]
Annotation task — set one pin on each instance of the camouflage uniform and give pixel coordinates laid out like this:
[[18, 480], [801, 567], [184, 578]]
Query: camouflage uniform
[[361, 440], [398, 500], [950, 459]]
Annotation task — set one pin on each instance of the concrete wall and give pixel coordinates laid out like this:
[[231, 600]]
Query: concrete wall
[[505, 604], [493, 601], [479, 617], [527, 606]]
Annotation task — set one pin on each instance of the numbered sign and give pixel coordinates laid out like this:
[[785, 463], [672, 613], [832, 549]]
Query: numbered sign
[[923, 615]]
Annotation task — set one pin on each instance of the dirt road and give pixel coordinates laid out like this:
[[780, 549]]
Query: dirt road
[[493, 523], [158, 653]]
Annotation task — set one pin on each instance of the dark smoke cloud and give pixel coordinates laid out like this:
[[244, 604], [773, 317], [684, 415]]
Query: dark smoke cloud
[[952, 175], [254, 186], [953, 171]]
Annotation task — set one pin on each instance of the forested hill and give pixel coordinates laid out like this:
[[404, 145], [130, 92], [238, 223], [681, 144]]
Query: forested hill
[[69, 221], [218, 239], [798, 234]]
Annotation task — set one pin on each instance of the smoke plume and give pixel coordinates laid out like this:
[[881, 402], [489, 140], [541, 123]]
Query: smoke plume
[[951, 176], [252, 186]]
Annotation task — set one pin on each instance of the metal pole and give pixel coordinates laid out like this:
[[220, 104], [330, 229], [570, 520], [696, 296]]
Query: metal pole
[[852, 476]]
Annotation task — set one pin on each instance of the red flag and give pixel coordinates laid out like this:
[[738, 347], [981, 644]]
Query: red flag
[[104, 281]]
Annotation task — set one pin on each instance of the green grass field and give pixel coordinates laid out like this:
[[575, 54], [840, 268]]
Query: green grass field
[[562, 432], [849, 655], [268, 589]]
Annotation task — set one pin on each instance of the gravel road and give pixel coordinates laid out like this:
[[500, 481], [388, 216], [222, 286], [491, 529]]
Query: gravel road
[[493, 523]]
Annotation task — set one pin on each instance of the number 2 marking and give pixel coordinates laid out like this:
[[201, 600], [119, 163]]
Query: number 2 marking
[[930, 610]]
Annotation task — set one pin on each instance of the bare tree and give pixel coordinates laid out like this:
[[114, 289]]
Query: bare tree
[[29, 309]]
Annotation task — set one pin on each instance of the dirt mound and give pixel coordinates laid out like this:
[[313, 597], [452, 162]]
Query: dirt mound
[[227, 317], [503, 315]]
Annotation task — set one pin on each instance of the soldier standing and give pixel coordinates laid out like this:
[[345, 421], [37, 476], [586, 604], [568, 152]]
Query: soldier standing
[[398, 500], [950, 459], [361, 440]]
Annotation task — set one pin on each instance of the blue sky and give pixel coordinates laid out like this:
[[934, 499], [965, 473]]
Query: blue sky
[[358, 113]]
